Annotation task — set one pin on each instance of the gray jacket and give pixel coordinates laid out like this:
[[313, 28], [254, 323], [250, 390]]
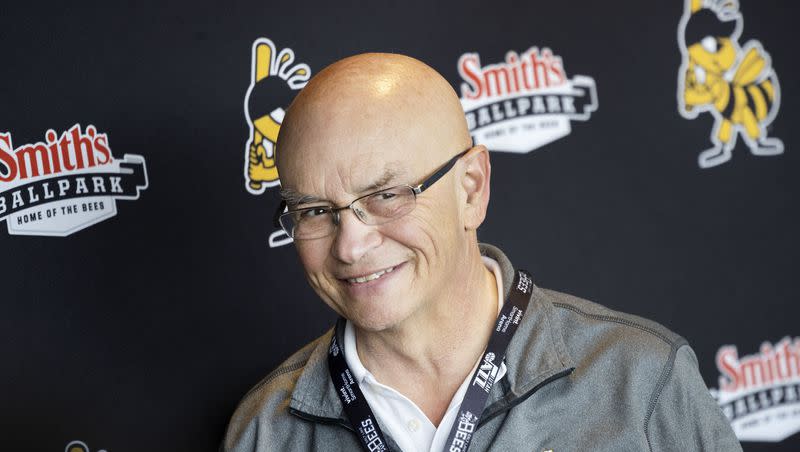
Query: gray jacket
[[579, 377]]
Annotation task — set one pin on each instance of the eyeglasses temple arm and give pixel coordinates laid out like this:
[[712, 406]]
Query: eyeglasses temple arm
[[276, 217], [438, 174]]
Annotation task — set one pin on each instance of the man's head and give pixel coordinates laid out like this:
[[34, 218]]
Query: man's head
[[369, 122]]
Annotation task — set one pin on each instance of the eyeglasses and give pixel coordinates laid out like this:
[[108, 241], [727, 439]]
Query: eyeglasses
[[375, 208]]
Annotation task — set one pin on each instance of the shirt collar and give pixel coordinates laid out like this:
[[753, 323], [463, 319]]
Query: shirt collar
[[351, 354]]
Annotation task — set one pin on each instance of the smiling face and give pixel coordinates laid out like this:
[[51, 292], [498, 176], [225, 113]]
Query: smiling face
[[365, 123]]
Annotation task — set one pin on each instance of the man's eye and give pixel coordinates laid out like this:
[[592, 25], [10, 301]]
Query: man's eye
[[313, 213], [710, 43], [384, 196]]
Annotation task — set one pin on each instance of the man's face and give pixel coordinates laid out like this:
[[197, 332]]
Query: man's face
[[404, 261]]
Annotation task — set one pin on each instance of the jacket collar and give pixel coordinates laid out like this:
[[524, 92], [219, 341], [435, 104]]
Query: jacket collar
[[535, 354]]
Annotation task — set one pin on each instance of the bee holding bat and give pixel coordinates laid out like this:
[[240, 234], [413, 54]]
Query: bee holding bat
[[274, 81]]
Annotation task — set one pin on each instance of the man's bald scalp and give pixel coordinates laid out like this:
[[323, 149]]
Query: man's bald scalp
[[380, 93]]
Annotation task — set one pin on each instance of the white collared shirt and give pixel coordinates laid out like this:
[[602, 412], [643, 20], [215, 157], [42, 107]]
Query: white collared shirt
[[404, 420]]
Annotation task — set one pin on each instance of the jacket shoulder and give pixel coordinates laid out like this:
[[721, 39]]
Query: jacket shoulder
[[611, 348], [598, 319], [267, 402]]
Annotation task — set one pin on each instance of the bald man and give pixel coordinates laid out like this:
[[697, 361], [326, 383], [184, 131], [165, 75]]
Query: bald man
[[442, 344]]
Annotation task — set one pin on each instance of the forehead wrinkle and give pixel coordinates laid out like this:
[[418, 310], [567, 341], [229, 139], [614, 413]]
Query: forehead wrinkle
[[389, 175], [294, 197]]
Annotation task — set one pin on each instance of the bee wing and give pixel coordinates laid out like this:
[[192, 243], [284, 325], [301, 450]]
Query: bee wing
[[750, 68]]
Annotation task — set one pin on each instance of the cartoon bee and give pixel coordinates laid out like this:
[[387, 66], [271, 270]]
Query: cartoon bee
[[737, 85], [274, 82]]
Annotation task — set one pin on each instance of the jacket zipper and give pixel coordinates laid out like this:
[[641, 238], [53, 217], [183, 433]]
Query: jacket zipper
[[518, 400], [333, 421], [523, 397], [320, 419]]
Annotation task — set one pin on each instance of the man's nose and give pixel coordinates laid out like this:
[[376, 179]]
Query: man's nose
[[353, 239]]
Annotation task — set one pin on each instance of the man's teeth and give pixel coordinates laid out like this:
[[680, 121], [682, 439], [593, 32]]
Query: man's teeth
[[376, 275]]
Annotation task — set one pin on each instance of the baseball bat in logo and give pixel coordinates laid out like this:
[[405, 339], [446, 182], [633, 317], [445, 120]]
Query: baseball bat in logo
[[66, 183], [274, 80], [524, 102]]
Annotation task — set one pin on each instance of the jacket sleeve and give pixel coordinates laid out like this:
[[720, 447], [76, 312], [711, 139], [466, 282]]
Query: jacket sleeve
[[684, 415]]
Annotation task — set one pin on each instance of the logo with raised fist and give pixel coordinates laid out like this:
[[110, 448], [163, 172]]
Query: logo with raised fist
[[275, 78]]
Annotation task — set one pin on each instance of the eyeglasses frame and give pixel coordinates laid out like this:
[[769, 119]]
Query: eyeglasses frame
[[417, 190]]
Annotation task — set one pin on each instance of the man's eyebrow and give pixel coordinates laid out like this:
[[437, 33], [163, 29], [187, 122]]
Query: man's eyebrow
[[294, 197], [389, 175]]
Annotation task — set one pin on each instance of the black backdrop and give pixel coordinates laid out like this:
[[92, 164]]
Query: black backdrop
[[142, 332]]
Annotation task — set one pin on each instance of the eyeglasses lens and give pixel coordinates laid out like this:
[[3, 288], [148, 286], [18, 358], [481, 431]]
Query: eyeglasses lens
[[373, 209]]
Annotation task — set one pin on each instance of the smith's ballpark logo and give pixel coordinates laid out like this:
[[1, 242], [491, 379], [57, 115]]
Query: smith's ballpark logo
[[735, 84], [760, 393], [66, 183], [524, 102], [274, 80]]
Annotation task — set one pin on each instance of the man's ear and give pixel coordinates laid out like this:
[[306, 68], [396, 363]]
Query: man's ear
[[475, 182]]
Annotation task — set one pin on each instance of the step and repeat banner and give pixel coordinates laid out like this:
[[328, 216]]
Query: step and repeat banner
[[651, 150]]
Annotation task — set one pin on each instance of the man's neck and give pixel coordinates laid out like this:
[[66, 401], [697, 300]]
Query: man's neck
[[428, 356]]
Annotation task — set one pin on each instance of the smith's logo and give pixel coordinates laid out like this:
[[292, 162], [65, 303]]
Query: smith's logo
[[735, 84], [760, 393], [274, 80], [66, 183], [524, 102]]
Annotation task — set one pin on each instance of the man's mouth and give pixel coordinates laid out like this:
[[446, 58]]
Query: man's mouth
[[371, 276]]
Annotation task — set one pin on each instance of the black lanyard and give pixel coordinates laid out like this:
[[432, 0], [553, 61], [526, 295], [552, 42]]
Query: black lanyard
[[363, 420]]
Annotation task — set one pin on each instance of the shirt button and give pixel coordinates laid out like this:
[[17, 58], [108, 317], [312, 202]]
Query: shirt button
[[413, 425]]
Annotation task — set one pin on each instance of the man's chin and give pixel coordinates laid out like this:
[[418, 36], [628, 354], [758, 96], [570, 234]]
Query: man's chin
[[377, 305], [376, 322]]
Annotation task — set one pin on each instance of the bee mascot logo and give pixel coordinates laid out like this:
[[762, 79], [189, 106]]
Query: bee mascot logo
[[275, 79], [735, 83]]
